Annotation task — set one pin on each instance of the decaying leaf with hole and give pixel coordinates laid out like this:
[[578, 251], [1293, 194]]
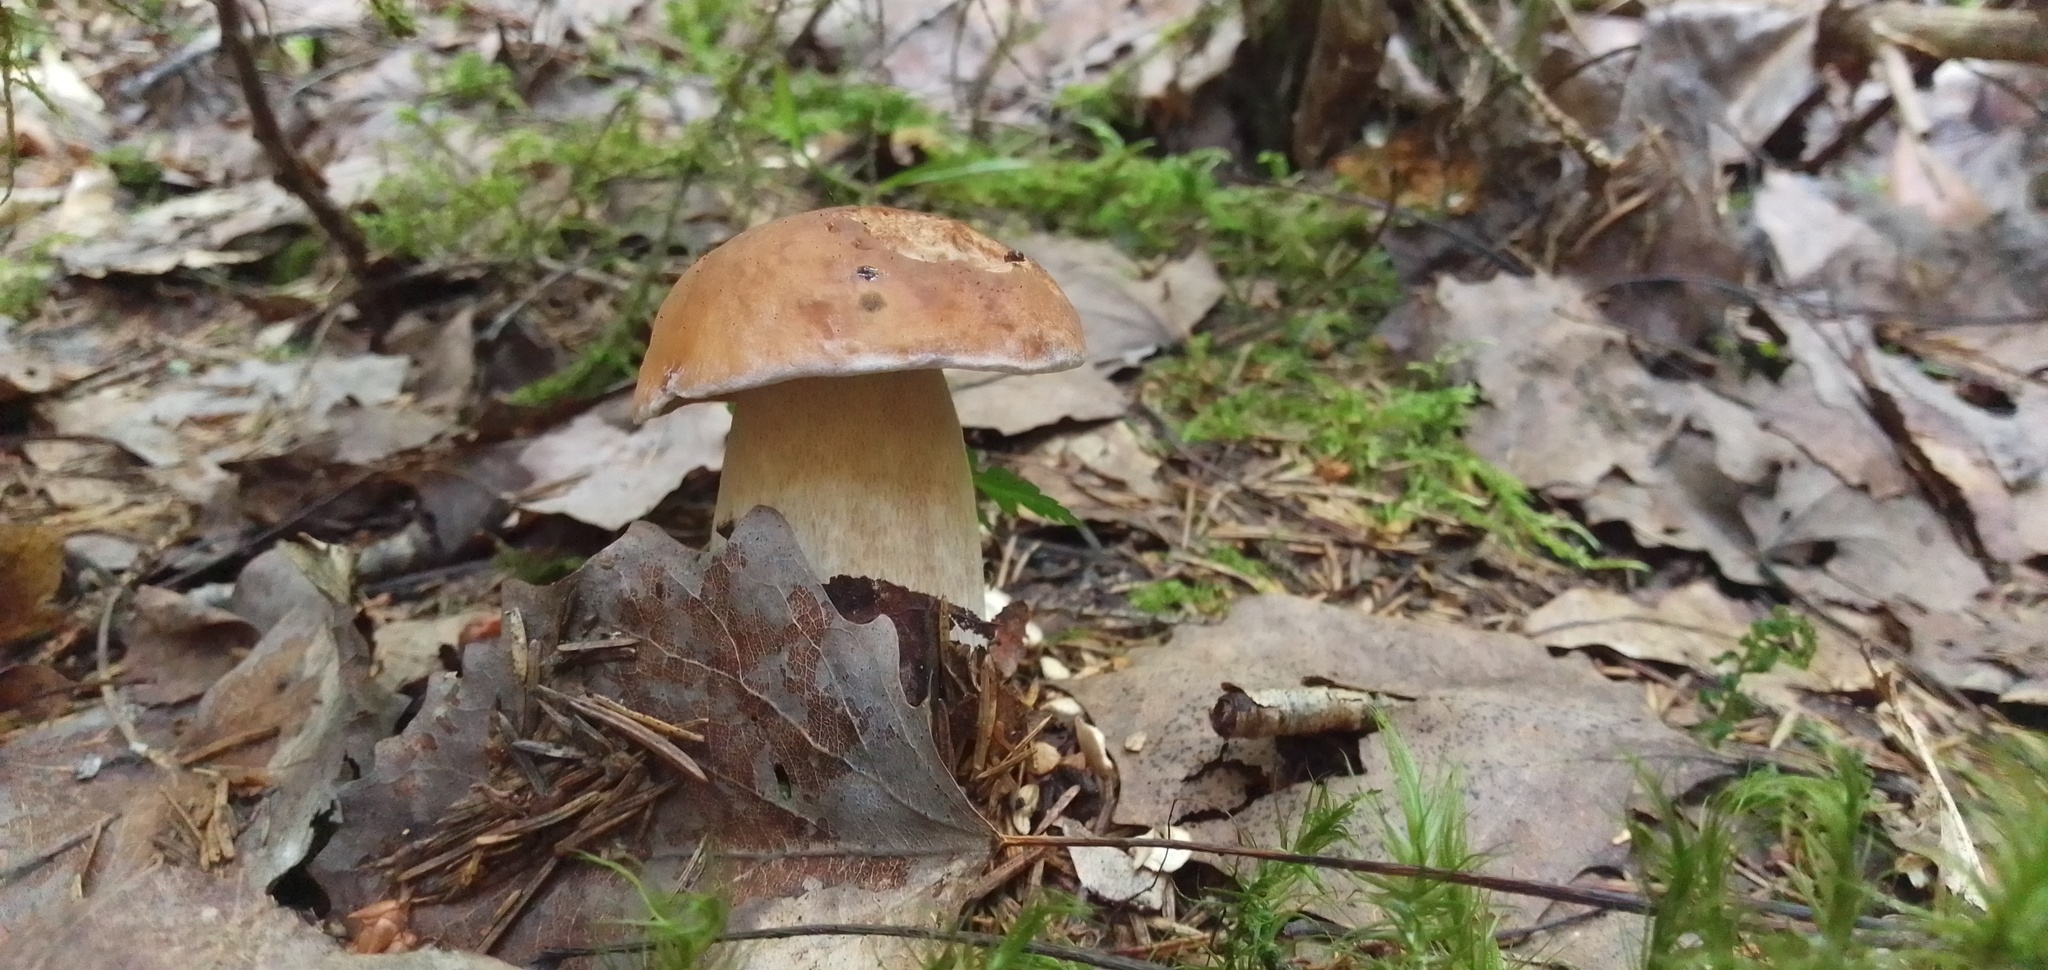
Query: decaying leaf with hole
[[826, 799]]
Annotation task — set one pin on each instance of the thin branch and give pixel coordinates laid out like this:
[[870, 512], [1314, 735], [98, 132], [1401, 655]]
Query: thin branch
[[553, 959], [1580, 895], [291, 171]]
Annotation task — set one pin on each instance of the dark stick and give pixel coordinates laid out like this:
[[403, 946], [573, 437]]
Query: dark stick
[[292, 172], [1581, 895], [553, 959]]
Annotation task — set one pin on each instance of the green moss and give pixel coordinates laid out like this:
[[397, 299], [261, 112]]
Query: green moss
[[1177, 597], [1401, 439]]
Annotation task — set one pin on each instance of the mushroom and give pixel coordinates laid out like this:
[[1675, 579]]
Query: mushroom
[[828, 332]]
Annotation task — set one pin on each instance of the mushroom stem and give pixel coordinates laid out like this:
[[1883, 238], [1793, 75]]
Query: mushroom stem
[[871, 472]]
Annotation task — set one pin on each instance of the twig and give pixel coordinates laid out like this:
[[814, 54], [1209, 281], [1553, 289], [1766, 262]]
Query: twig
[[553, 959], [110, 692], [291, 171], [35, 860], [1595, 152], [1580, 895], [231, 742]]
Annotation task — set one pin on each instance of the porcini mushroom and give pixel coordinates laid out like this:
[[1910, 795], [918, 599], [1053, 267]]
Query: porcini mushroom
[[828, 332]]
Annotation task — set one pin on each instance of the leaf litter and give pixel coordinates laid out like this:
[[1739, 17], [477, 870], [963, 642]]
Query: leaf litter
[[822, 799], [1456, 696], [1883, 466]]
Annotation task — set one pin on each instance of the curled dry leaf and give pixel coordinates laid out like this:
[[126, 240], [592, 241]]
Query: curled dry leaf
[[827, 800], [304, 699]]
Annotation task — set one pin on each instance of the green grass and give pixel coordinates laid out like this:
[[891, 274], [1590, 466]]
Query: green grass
[[680, 927]]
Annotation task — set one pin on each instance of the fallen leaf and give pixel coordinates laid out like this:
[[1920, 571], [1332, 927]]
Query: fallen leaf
[[202, 229], [34, 692], [827, 800], [172, 918], [600, 469], [408, 650], [1835, 542], [1782, 492], [31, 569], [1995, 649], [1012, 404], [940, 53], [1724, 75], [1113, 875], [1692, 626], [1807, 229], [357, 435], [309, 680], [213, 415], [1547, 749], [108, 554], [1126, 314], [34, 363], [1103, 474], [1982, 455], [68, 782], [1820, 404], [177, 647]]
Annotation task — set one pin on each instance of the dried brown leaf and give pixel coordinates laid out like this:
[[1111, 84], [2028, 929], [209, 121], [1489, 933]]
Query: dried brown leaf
[[600, 469], [1691, 626], [827, 800], [178, 647], [309, 678], [34, 692], [172, 918], [1547, 748], [31, 569]]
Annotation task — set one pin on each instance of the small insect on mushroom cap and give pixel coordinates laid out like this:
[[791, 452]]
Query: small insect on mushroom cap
[[853, 290]]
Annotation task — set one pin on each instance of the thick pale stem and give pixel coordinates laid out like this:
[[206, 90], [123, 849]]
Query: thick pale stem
[[870, 471]]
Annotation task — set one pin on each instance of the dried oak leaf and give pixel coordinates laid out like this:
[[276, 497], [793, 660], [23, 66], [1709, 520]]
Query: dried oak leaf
[[827, 800], [1547, 748]]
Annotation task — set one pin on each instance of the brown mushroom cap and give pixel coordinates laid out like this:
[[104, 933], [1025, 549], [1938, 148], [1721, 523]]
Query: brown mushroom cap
[[853, 290]]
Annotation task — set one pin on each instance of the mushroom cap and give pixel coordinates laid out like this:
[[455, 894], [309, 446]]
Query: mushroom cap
[[853, 290]]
